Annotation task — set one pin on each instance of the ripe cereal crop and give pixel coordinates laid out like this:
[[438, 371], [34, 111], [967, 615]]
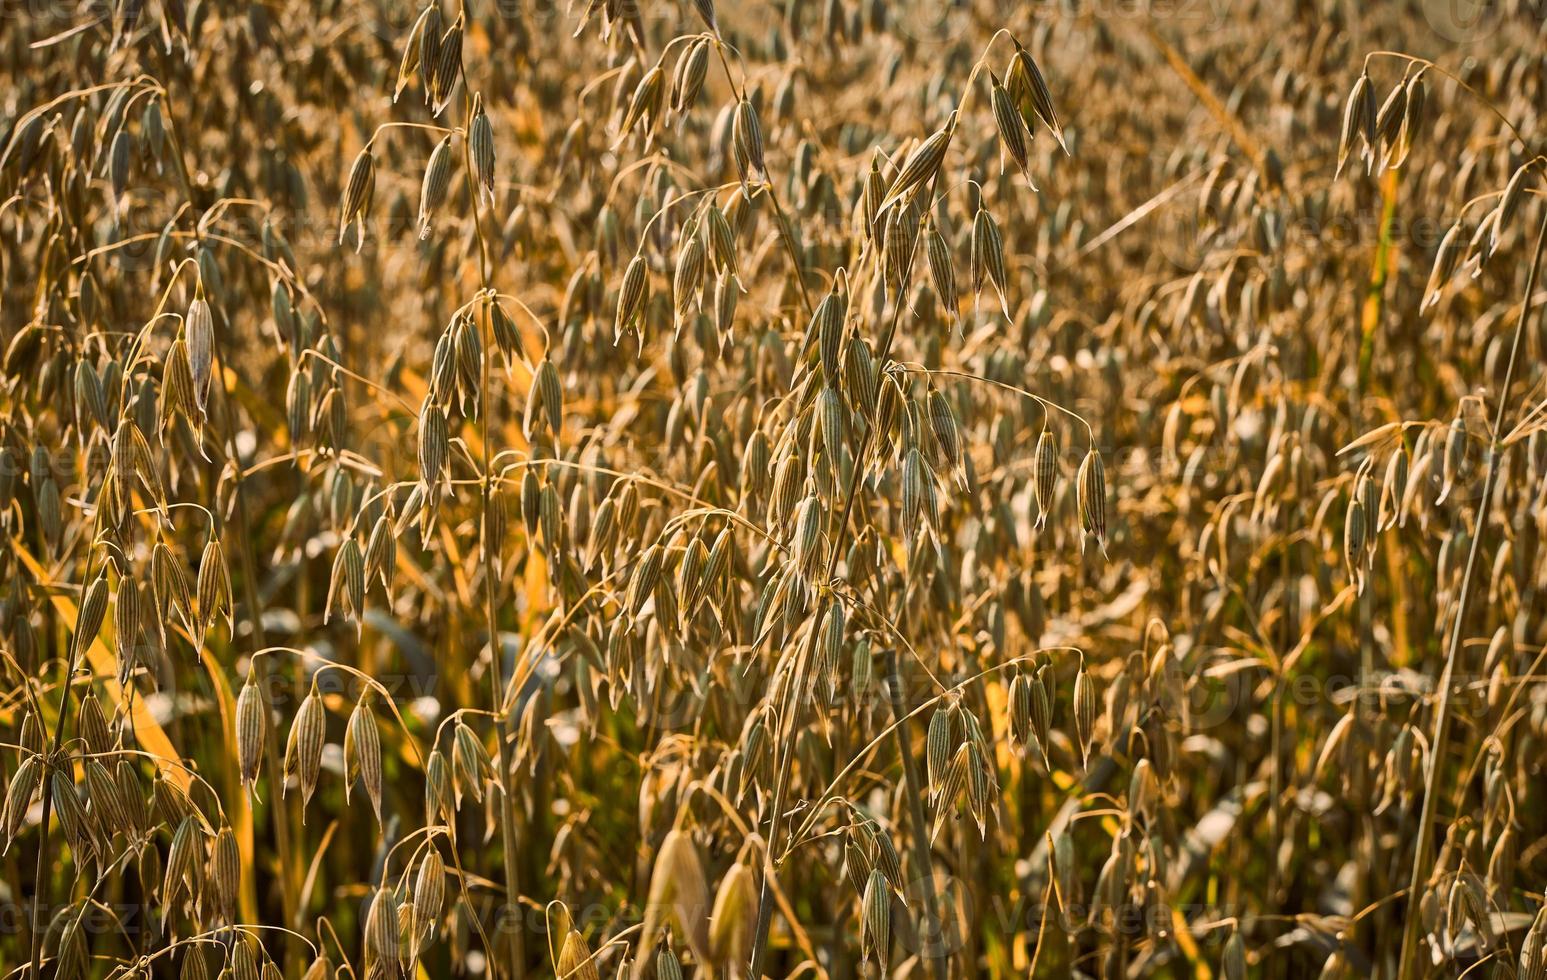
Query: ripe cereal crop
[[816, 488]]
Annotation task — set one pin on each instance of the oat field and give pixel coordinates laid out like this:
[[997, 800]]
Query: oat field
[[817, 488]]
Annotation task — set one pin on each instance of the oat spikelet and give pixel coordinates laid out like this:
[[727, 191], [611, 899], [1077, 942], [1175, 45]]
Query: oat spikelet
[[1046, 482], [429, 899], [575, 959], [346, 586], [1354, 529], [107, 808], [437, 180], [362, 753], [920, 166], [1233, 964], [1087, 707], [875, 924], [644, 109], [1533, 949], [199, 332], [1509, 203], [1041, 708], [1019, 700], [251, 725], [19, 793], [1092, 493], [481, 142], [244, 963], [1447, 257], [678, 895], [358, 191], [942, 422], [213, 587], [1013, 136], [1358, 120], [438, 805], [441, 73], [988, 258], [952, 783], [303, 748], [181, 862], [937, 749], [687, 278], [734, 916], [91, 615], [688, 79], [1026, 80], [942, 271], [427, 23], [381, 937], [747, 139], [194, 966], [226, 872], [632, 296], [667, 966], [1454, 460], [321, 968], [72, 956]]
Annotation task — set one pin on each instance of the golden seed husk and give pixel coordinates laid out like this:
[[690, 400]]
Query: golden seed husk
[[679, 896], [214, 586], [1087, 706], [747, 135], [428, 901], [876, 919], [357, 193], [182, 860], [921, 165], [1046, 466], [437, 180], [362, 753], [575, 959], [1013, 136], [226, 871], [251, 729], [632, 296], [303, 748], [1092, 496], [19, 792], [381, 934], [481, 143]]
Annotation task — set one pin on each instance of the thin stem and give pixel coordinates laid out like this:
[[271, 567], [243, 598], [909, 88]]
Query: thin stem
[[279, 808], [781, 785], [914, 791], [782, 777], [40, 903], [1442, 721], [786, 234], [506, 731]]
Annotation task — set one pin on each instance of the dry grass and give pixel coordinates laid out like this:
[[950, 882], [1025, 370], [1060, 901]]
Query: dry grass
[[845, 489]]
